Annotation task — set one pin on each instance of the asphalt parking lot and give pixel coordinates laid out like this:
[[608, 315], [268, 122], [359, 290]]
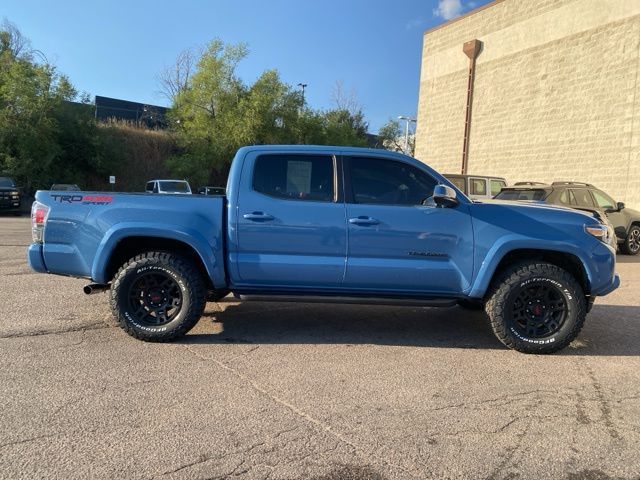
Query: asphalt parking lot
[[286, 391]]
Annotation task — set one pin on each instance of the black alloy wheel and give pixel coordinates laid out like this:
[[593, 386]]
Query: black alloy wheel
[[155, 298], [633, 241], [539, 310], [158, 296]]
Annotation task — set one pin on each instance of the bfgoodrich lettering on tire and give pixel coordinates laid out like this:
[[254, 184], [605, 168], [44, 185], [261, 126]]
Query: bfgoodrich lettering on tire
[[536, 308], [157, 296]]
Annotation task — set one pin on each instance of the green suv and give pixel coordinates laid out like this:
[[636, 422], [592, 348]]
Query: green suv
[[625, 221]]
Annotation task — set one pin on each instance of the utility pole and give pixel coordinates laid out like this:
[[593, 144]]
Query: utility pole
[[302, 86], [406, 131]]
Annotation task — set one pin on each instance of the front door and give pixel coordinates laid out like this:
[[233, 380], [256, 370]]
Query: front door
[[397, 244], [610, 208], [291, 227]]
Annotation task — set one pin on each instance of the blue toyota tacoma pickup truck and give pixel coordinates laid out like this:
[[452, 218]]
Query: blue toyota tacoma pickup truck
[[330, 224]]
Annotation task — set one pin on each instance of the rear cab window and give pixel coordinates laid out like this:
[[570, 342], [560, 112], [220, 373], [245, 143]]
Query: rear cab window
[[295, 177]]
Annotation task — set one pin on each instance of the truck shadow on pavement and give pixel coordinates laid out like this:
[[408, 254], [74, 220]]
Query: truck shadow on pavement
[[609, 330]]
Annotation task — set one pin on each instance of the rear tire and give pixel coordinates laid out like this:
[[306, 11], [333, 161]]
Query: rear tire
[[631, 244], [157, 296], [536, 308]]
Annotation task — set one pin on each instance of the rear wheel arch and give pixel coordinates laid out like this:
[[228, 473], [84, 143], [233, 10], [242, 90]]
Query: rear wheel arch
[[129, 247]]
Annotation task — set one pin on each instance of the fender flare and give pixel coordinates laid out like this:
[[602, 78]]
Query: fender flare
[[510, 243], [121, 231]]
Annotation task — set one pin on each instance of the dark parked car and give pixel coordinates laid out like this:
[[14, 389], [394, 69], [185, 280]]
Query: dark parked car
[[625, 221], [10, 196], [212, 191]]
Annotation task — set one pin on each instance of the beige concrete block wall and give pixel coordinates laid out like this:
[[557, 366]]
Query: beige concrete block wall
[[557, 94]]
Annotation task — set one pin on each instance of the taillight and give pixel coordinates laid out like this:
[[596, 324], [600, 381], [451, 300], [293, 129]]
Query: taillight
[[39, 214]]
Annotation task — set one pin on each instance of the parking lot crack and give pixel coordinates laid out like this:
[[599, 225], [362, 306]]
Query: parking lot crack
[[603, 403], [301, 414], [38, 333], [28, 440]]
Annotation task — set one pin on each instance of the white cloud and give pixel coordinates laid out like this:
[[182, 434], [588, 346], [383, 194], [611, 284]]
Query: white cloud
[[448, 9]]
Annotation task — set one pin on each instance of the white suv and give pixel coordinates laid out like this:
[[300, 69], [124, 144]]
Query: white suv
[[168, 186]]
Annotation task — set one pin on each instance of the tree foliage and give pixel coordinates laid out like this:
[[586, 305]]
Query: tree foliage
[[42, 137], [48, 133], [215, 113], [392, 138]]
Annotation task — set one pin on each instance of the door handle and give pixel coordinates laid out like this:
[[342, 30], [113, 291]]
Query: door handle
[[258, 216], [363, 221]]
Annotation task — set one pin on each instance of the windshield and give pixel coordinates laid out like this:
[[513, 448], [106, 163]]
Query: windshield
[[6, 182], [532, 194], [174, 187]]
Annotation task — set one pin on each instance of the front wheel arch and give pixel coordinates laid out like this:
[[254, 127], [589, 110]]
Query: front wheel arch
[[567, 261]]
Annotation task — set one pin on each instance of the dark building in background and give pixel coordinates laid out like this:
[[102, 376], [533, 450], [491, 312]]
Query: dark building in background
[[152, 116]]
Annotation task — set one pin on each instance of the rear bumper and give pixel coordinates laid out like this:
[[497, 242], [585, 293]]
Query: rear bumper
[[35, 258]]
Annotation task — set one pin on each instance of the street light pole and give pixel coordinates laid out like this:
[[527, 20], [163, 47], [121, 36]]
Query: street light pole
[[406, 131], [302, 86]]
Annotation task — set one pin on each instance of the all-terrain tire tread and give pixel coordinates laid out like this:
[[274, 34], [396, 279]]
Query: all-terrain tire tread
[[194, 283], [495, 306]]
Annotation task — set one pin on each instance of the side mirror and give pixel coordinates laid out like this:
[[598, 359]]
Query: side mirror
[[620, 206], [444, 196]]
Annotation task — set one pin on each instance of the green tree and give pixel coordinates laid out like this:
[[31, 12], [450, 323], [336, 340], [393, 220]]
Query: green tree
[[40, 141], [214, 113], [393, 138]]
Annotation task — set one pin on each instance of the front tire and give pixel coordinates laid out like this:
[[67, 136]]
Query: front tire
[[536, 308], [157, 296], [631, 244]]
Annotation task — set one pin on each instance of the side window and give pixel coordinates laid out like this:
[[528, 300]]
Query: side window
[[583, 197], [603, 200], [478, 186], [295, 177], [459, 182], [149, 187], [379, 181], [567, 198], [496, 186]]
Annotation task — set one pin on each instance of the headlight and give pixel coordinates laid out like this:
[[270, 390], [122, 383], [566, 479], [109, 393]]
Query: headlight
[[15, 194], [601, 232]]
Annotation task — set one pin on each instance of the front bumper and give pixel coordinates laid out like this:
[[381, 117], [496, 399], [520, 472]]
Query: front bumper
[[615, 283]]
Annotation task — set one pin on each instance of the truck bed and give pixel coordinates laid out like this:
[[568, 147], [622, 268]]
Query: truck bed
[[84, 229]]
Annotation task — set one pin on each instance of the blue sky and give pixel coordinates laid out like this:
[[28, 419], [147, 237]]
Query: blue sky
[[116, 48]]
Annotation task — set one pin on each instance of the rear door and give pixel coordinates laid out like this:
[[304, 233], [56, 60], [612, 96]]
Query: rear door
[[291, 227], [397, 244]]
